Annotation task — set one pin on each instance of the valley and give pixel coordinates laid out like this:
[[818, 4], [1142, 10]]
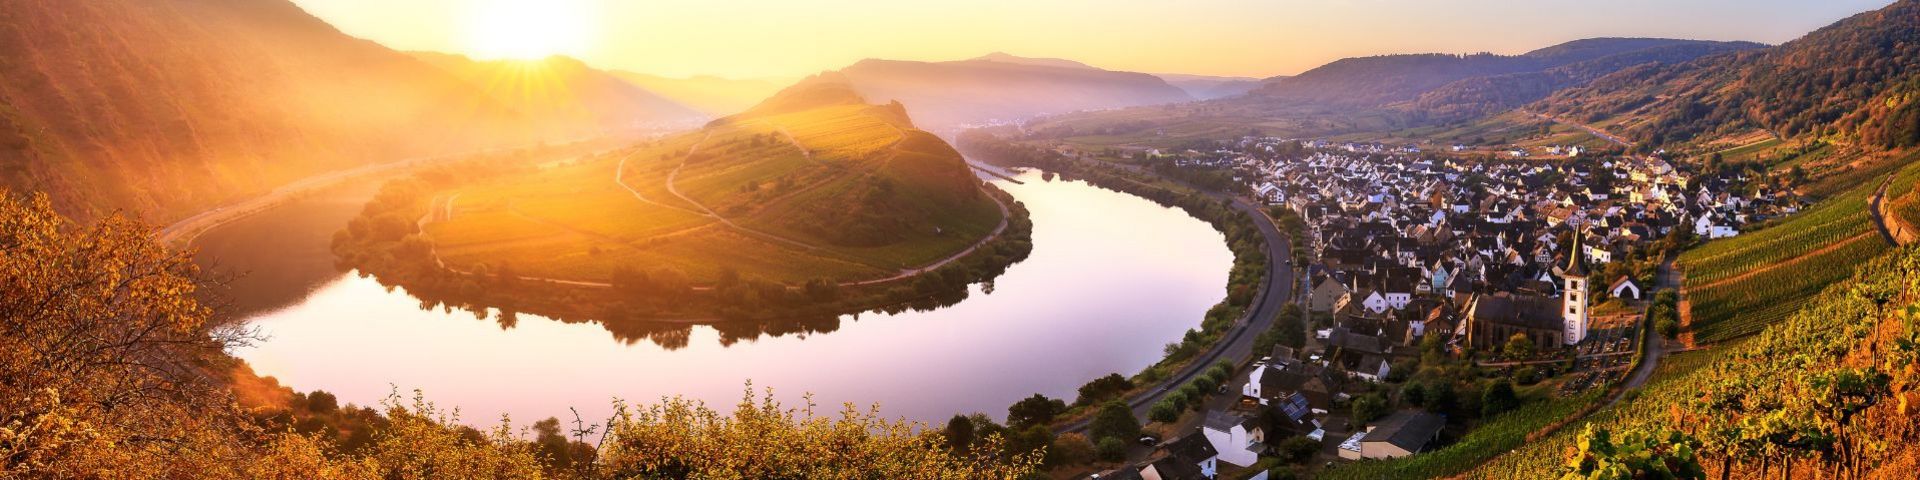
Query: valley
[[580, 240]]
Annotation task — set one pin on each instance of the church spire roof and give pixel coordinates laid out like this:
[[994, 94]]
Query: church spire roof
[[1576, 261]]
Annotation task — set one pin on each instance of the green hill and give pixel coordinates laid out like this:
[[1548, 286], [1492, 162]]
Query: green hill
[[812, 183]]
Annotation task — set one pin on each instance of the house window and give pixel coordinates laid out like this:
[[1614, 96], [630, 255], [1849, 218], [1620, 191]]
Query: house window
[[1571, 310]]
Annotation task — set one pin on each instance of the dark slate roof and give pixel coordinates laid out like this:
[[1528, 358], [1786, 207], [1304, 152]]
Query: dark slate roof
[[1191, 449], [1520, 310], [1123, 473], [1171, 468], [1577, 265], [1219, 420], [1407, 429]]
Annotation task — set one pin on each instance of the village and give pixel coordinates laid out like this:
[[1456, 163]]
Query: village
[[1525, 271]]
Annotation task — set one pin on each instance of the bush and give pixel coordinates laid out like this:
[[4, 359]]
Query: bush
[[1070, 449], [1297, 450], [1369, 408], [1527, 375], [1498, 398], [1164, 411], [1110, 449]]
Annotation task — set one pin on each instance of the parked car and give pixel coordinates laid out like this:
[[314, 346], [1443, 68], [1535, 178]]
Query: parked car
[[1149, 440]]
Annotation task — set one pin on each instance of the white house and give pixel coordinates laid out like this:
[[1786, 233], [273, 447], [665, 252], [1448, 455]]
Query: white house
[[1238, 439], [1625, 288]]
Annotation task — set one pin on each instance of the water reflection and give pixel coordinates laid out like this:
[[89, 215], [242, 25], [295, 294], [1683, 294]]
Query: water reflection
[[1110, 280]]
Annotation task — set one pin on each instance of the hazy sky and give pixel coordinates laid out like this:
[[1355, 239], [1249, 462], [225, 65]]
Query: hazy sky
[[786, 38]]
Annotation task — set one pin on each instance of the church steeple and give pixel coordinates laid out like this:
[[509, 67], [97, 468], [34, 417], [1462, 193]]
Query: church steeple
[[1574, 296], [1577, 260]]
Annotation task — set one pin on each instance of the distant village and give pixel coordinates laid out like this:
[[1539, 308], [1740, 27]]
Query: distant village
[[1407, 245]]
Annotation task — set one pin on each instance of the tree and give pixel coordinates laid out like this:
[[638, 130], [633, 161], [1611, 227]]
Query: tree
[[1034, 410], [1114, 420], [1369, 407], [1519, 346], [1498, 398], [959, 433], [1102, 389]]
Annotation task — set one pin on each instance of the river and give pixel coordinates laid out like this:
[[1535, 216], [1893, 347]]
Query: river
[[1112, 278]]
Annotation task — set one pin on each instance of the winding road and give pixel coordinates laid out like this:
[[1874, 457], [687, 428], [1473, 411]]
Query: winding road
[[1237, 346]]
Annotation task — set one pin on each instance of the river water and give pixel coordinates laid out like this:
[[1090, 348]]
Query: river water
[[1112, 278]]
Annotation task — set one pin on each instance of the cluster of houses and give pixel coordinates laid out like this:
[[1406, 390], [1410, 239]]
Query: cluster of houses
[[1407, 247]]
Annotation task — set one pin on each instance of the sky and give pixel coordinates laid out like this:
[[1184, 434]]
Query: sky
[[1256, 38]]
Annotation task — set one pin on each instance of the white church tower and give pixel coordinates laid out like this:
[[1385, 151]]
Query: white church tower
[[1574, 297]]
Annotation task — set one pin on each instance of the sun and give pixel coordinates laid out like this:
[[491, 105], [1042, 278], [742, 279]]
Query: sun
[[528, 29]]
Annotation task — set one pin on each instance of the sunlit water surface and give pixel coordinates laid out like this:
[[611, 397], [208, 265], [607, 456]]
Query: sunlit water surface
[[1112, 279]]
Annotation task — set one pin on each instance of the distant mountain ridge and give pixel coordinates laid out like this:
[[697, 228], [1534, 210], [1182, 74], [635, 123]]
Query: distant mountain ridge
[[1388, 79], [159, 107], [714, 96], [1479, 96], [1855, 81], [1003, 87], [561, 94], [163, 108], [1206, 87]]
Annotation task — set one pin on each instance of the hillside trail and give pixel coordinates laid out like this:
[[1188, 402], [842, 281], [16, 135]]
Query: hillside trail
[[675, 190]]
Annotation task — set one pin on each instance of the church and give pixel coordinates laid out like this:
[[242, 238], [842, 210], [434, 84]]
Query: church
[[1492, 319]]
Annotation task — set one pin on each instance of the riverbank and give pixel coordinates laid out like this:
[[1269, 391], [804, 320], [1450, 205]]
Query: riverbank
[[388, 242], [1260, 283]]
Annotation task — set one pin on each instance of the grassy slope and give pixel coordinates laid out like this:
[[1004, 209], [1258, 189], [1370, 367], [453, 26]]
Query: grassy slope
[[790, 170]]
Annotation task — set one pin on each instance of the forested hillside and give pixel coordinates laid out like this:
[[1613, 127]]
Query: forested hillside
[[1479, 96], [162, 108], [1388, 79], [1852, 82]]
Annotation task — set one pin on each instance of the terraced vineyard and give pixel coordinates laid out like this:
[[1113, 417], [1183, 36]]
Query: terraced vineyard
[[1540, 458], [1818, 388], [1738, 286], [1505, 433], [1818, 227], [1744, 307], [1903, 199]]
